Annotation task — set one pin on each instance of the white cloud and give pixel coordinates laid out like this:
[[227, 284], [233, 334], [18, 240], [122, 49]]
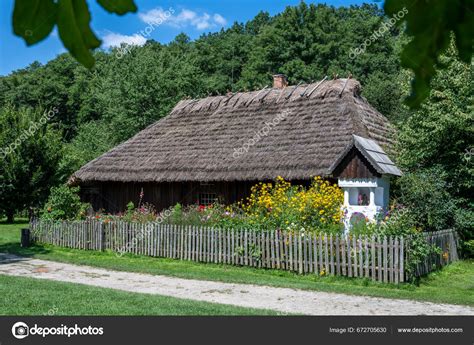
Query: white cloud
[[156, 16], [185, 18], [219, 19], [113, 39]]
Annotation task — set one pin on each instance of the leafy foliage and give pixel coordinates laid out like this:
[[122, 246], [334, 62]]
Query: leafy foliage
[[426, 193], [92, 140], [292, 207], [33, 20], [400, 221], [434, 150], [432, 24], [277, 205], [73, 19], [30, 151], [119, 7], [64, 203]]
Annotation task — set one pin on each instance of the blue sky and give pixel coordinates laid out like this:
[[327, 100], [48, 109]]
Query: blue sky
[[192, 17]]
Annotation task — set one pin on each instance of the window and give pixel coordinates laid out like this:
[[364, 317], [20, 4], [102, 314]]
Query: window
[[363, 197], [359, 196], [207, 199]]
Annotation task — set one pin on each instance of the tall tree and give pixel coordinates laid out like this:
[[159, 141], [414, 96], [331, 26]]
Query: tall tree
[[438, 140], [30, 152]]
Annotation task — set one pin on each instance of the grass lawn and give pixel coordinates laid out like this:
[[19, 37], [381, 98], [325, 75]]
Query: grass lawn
[[454, 284], [29, 296]]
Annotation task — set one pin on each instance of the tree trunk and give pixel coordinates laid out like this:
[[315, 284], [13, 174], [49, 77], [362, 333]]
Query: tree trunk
[[10, 216]]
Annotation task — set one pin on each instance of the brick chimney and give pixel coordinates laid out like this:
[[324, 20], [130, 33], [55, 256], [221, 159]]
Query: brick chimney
[[279, 81]]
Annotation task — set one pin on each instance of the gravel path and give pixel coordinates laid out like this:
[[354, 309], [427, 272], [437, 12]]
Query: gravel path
[[284, 300]]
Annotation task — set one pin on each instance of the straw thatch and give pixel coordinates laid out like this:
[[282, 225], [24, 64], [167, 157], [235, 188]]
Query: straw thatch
[[199, 139]]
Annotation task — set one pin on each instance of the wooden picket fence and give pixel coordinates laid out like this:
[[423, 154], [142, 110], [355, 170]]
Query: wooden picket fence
[[379, 259], [447, 243]]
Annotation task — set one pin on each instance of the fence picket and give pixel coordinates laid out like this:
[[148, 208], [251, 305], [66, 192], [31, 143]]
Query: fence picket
[[315, 253], [281, 244], [300, 253], [320, 240], [392, 260], [294, 251], [349, 257], [385, 260], [343, 255], [331, 255], [397, 252], [310, 254], [361, 258], [276, 244], [354, 250], [290, 251], [402, 272], [372, 257]]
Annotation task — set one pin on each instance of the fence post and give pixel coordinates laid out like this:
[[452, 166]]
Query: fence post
[[402, 260], [25, 237], [102, 236]]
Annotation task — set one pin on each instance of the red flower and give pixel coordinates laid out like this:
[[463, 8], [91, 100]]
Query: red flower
[[201, 207]]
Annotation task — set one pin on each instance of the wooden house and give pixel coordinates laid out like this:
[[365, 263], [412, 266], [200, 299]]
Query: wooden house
[[217, 147]]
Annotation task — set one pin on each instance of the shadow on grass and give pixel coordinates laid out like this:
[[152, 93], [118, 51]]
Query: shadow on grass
[[16, 221], [16, 249]]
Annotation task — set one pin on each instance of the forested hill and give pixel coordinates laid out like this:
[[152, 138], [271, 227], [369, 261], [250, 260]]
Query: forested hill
[[126, 91]]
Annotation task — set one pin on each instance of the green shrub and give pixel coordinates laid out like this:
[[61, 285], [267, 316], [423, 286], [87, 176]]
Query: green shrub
[[429, 197], [468, 248], [64, 203], [399, 222], [426, 194], [464, 225], [144, 213], [177, 213]]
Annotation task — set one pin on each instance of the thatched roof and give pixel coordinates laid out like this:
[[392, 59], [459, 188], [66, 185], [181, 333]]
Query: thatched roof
[[232, 137]]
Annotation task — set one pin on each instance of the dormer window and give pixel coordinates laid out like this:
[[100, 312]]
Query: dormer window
[[363, 197]]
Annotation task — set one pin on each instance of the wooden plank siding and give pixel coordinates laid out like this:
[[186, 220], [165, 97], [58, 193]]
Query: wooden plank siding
[[355, 165], [113, 197]]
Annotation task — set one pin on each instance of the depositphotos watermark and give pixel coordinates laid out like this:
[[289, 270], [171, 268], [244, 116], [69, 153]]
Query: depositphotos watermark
[[468, 153], [147, 230], [145, 33], [263, 132], [382, 30], [28, 133], [21, 330]]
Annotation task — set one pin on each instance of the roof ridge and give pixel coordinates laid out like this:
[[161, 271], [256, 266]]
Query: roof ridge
[[340, 87]]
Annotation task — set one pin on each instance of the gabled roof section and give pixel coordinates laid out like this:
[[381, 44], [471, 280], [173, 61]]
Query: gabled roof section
[[374, 154]]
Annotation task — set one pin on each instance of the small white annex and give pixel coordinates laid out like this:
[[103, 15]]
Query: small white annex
[[364, 172]]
